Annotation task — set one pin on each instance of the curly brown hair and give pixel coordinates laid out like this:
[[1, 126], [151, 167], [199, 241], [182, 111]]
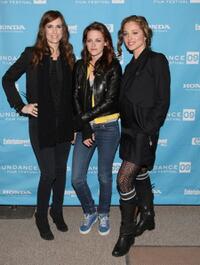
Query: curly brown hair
[[143, 24], [41, 46], [108, 52]]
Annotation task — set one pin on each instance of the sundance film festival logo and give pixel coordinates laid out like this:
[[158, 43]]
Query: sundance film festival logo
[[189, 114], [185, 115], [118, 1], [19, 169], [162, 169], [192, 58], [195, 140], [11, 116], [185, 167], [12, 28], [160, 27], [70, 193], [7, 59], [115, 168]]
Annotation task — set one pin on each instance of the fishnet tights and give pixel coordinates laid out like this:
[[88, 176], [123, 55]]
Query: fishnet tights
[[126, 176]]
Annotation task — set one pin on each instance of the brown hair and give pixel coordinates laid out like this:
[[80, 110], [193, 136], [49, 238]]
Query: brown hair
[[41, 46], [142, 22], [108, 52]]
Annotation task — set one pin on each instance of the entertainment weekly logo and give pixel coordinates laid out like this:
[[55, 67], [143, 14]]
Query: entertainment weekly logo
[[197, 27], [185, 115], [191, 57], [174, 2], [70, 193], [192, 192], [24, 142], [110, 27], [182, 168]]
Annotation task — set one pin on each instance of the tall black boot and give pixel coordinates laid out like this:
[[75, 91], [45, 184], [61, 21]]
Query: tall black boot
[[58, 220], [43, 226], [145, 200], [127, 230]]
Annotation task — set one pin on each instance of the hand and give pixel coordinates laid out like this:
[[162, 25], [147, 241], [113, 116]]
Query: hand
[[73, 141], [89, 142], [31, 109]]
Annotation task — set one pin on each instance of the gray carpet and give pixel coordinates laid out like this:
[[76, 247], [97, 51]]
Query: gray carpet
[[20, 243]]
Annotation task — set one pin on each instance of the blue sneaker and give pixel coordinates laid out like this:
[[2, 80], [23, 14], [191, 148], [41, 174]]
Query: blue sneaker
[[88, 221], [104, 224]]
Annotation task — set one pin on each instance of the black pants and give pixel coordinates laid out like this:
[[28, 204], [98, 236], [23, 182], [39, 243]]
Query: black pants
[[52, 162]]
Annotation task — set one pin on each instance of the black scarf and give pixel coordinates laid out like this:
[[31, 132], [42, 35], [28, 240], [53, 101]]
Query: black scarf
[[54, 129]]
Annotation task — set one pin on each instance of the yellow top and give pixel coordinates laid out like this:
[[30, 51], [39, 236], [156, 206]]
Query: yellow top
[[103, 119]]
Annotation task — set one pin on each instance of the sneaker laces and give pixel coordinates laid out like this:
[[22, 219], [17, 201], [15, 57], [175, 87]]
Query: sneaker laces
[[104, 220], [85, 219]]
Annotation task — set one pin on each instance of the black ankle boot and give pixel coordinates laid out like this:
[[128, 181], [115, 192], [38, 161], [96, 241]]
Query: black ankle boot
[[58, 220], [146, 221], [124, 242], [43, 227]]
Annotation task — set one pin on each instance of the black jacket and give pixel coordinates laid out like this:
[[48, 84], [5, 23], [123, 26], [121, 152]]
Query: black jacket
[[145, 93], [106, 94], [38, 91]]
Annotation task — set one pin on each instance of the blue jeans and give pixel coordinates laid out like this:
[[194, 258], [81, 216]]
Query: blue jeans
[[107, 137]]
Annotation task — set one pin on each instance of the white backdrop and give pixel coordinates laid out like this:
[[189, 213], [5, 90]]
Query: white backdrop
[[176, 27]]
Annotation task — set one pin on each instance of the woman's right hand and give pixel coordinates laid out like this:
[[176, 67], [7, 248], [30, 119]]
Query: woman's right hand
[[31, 109], [89, 142]]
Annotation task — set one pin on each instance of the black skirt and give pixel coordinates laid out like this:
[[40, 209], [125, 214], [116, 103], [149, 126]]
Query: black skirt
[[138, 148]]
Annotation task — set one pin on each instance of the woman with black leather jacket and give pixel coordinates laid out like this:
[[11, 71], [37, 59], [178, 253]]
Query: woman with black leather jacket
[[96, 89]]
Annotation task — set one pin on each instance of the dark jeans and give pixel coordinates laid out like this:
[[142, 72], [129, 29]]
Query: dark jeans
[[106, 141], [52, 162]]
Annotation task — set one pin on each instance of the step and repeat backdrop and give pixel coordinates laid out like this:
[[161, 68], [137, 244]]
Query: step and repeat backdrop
[[176, 27]]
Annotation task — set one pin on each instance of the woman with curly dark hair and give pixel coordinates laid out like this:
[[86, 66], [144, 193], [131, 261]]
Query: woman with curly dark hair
[[48, 68], [144, 102], [96, 90]]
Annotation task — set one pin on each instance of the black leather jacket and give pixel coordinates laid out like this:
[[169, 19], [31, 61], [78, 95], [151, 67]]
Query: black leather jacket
[[106, 94]]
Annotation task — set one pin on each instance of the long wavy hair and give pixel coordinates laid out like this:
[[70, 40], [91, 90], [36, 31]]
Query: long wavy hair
[[108, 51], [143, 24], [41, 46]]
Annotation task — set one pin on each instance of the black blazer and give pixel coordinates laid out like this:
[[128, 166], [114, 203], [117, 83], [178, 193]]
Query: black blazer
[[145, 93], [38, 91]]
